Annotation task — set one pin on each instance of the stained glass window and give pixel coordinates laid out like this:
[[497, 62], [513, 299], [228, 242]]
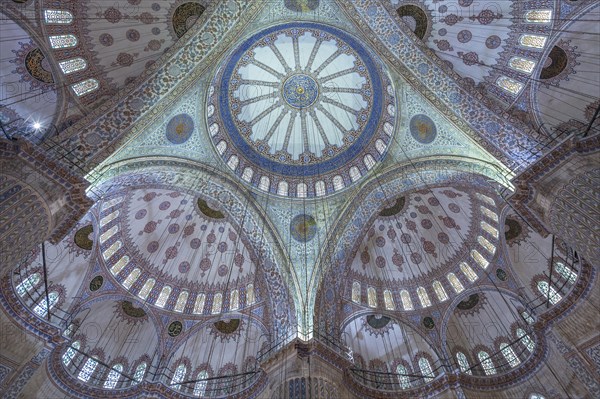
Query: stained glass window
[[440, 291], [42, 308], [117, 267], [112, 249], [72, 65], [423, 297], [549, 292], [27, 285], [534, 41], [509, 355], [320, 188], [113, 376], [463, 363], [63, 41], [282, 188], [265, 183], [233, 162], [200, 386], [455, 283], [478, 257], [526, 339], [490, 214], [181, 301], [178, 376], [426, 369], [356, 292], [250, 296], [538, 16], [527, 317], [372, 297], [403, 376], [140, 370], [510, 85], [110, 203], [217, 303], [301, 190], [485, 198], [247, 174], [234, 300], [85, 87], [221, 147], [406, 301], [148, 285], [108, 233], [566, 272], [486, 244], [388, 300], [369, 161], [380, 146], [69, 331], [88, 369], [58, 17], [486, 363], [354, 173], [199, 304], [468, 271], [214, 129], [491, 230], [522, 64], [338, 183], [163, 296], [107, 219], [70, 353], [132, 278]]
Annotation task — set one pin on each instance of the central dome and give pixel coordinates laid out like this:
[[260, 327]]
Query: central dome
[[301, 110]]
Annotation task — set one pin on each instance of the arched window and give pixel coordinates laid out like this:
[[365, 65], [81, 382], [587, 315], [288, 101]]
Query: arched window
[[178, 376], [549, 292], [463, 363], [440, 292], [282, 188], [521, 64], [320, 188], [107, 234], [88, 369], [247, 174], [533, 41], [58, 17], [372, 297], [217, 303], [455, 283], [486, 363], [403, 376], [369, 161], [62, 41], [423, 297], [486, 244], [538, 16], [527, 317], [301, 190], [265, 183], [536, 396], [112, 249], [406, 301], [250, 297], [113, 376], [120, 265], [388, 300], [42, 308], [234, 300], [221, 146], [525, 339], [213, 130], [485, 198], [139, 373], [566, 272], [181, 301], [509, 355], [85, 87], [426, 369], [354, 174], [199, 304], [491, 230], [380, 146], [338, 183], [70, 353], [163, 296], [200, 386], [27, 285], [510, 85], [132, 278], [145, 291], [233, 162], [356, 292], [468, 271], [478, 257], [107, 219]]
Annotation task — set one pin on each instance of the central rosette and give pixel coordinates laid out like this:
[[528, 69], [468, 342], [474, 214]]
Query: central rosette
[[300, 91]]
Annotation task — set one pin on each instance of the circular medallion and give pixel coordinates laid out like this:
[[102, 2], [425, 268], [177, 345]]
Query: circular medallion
[[96, 283], [501, 274], [175, 328], [303, 228], [428, 323], [180, 128], [301, 110], [423, 129]]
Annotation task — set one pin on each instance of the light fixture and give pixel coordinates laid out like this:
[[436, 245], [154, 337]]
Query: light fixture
[[37, 125]]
